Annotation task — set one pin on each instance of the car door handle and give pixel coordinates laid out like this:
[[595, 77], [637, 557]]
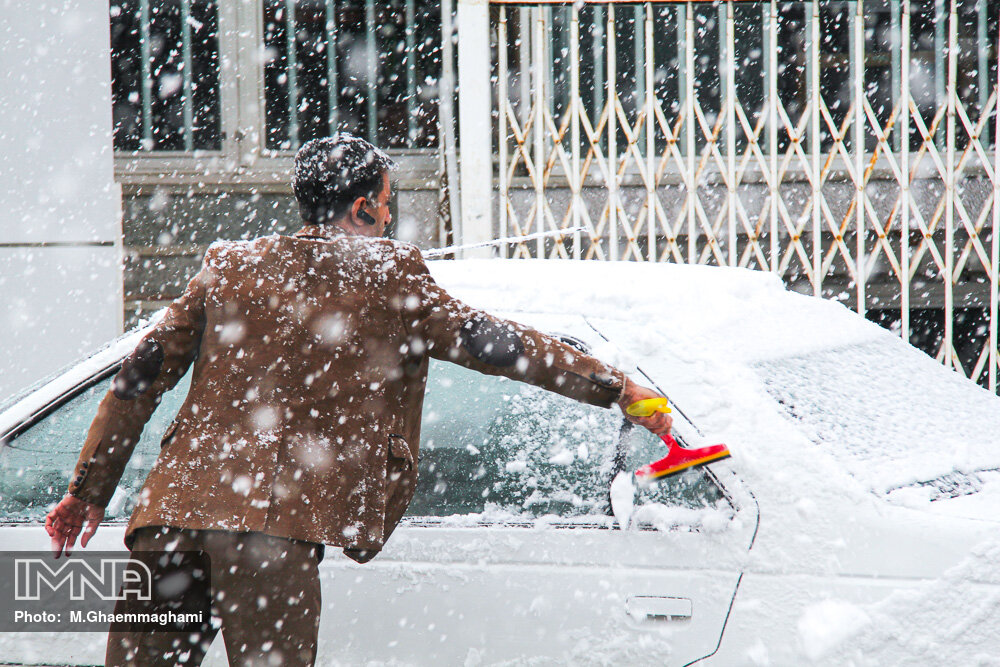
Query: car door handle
[[657, 607]]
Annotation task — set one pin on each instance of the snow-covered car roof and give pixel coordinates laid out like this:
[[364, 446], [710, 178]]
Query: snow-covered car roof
[[804, 390]]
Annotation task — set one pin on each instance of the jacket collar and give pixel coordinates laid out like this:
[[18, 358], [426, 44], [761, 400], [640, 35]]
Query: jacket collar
[[320, 232]]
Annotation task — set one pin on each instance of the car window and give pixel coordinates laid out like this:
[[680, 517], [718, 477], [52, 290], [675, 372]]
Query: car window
[[492, 444], [488, 444], [36, 465]]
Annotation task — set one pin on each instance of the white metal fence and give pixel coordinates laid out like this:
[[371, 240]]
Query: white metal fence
[[845, 146]]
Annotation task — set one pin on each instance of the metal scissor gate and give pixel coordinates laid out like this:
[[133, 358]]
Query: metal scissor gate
[[848, 147]]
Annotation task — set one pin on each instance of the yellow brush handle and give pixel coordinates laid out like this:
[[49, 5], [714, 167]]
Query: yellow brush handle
[[647, 407]]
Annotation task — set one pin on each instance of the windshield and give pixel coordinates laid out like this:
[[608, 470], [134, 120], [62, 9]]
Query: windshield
[[887, 412]]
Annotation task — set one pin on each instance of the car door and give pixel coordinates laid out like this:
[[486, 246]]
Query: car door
[[507, 552]]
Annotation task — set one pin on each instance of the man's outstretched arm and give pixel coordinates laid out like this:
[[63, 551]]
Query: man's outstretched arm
[[448, 329], [153, 368]]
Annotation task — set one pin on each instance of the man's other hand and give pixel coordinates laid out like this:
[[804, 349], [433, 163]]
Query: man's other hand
[[659, 423], [67, 519]]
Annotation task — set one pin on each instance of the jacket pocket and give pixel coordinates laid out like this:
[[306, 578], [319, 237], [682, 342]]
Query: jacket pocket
[[168, 435], [400, 451], [400, 481], [398, 467]]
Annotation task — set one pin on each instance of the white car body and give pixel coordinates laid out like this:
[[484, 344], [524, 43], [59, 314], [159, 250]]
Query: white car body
[[829, 550]]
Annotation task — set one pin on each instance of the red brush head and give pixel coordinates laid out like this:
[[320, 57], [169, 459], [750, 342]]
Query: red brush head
[[679, 459]]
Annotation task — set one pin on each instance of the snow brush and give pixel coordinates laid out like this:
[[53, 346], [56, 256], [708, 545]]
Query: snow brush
[[678, 459]]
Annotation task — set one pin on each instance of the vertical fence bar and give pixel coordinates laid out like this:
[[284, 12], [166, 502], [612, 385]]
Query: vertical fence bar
[[983, 70], [146, 92], [474, 116], [651, 252], [538, 68], [939, 74], [894, 31], [411, 71], [332, 82], [612, 137], [502, 126], [729, 63], [859, 153], [995, 240], [291, 74], [639, 55], [721, 23], [814, 147], [187, 86], [949, 297], [597, 52], [575, 109], [371, 56], [681, 18], [548, 71], [689, 126], [904, 131], [771, 73], [524, 64], [476, 167]]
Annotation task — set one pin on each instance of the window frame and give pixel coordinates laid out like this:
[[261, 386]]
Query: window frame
[[35, 416], [243, 158]]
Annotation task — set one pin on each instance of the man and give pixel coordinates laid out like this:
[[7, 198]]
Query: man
[[302, 422]]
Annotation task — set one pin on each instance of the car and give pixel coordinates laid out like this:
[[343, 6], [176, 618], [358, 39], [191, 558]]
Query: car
[[856, 521]]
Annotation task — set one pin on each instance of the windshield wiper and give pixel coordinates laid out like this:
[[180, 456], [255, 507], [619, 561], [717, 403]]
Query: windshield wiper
[[952, 484]]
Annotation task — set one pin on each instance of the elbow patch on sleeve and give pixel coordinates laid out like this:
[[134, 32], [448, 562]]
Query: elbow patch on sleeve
[[491, 343], [139, 370]]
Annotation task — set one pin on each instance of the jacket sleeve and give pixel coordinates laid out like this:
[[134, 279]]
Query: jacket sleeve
[[153, 368], [446, 328]]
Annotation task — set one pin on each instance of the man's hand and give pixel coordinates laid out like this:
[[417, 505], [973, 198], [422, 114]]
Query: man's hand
[[659, 423], [67, 519]]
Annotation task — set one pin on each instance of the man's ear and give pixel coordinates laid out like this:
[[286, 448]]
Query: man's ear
[[356, 210], [363, 215]]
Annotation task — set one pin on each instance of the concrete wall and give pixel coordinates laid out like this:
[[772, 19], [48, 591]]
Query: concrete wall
[[167, 228], [60, 273]]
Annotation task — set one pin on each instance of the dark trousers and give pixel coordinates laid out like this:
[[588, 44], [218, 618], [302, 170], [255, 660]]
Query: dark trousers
[[263, 593]]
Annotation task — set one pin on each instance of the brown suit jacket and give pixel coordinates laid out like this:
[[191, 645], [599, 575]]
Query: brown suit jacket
[[310, 359]]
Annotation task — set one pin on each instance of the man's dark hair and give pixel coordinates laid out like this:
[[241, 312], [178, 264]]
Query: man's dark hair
[[332, 172]]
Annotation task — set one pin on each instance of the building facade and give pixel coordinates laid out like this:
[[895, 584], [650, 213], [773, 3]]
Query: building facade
[[848, 147]]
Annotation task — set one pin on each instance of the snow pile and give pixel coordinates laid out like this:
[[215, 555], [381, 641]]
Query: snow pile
[[925, 624], [622, 499], [671, 517], [828, 623]]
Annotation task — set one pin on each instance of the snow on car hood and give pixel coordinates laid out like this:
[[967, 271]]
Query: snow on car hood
[[804, 390]]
